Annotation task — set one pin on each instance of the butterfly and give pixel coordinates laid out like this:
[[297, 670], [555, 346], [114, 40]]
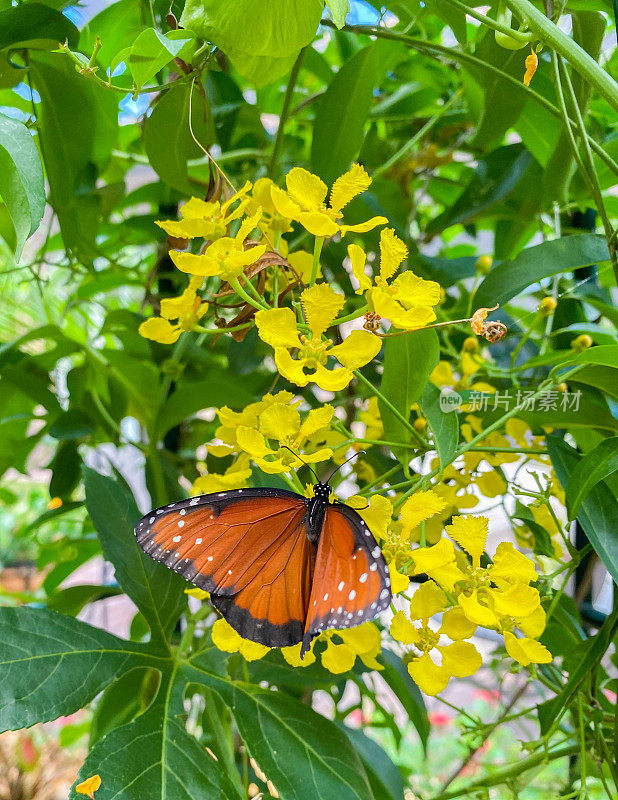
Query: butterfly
[[281, 568]]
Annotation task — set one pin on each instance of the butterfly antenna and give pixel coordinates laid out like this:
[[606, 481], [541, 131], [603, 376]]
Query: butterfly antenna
[[285, 447], [360, 452]]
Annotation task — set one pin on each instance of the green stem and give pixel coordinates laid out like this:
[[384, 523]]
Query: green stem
[[406, 423], [285, 111], [549, 33], [512, 771], [524, 38], [350, 317], [235, 284], [417, 136], [317, 250]]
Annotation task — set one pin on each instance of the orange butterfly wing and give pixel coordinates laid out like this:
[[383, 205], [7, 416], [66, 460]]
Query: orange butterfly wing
[[351, 583], [248, 548]]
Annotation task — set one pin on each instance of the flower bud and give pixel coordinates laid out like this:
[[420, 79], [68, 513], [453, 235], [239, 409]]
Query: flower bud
[[471, 344], [582, 342], [419, 424], [562, 387], [484, 264], [547, 306]]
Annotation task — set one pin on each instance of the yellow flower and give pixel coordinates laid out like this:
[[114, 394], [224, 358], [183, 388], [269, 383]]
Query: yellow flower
[[459, 659], [526, 651], [363, 641], [89, 786], [261, 197], [225, 257], [377, 514], [420, 507], [470, 533], [235, 476], [208, 220], [399, 581], [408, 301], [187, 310], [229, 641], [305, 201], [292, 655], [277, 327], [374, 429], [281, 423]]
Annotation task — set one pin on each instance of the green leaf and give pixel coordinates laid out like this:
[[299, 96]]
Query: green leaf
[[66, 470], [27, 22], [339, 127], [407, 692], [594, 467], [78, 125], [21, 178], [262, 38], [192, 397], [71, 424], [339, 9], [605, 355], [167, 138], [157, 591], [122, 701], [303, 754], [53, 665], [72, 600], [598, 513], [541, 261], [155, 757], [117, 25], [408, 363], [152, 50], [384, 777], [443, 424]]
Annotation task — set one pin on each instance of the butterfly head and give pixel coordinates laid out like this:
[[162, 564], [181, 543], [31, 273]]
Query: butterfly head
[[322, 491]]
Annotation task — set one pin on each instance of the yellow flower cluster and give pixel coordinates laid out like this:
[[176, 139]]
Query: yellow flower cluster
[[496, 595], [243, 236]]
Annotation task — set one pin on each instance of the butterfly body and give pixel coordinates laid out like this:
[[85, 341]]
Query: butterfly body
[[280, 567]]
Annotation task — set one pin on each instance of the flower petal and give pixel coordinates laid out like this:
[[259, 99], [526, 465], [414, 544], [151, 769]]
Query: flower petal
[[519, 600], [251, 651], [284, 203], [363, 639], [160, 330], [427, 600], [315, 420], [292, 656], [348, 186], [225, 637], [429, 677], [277, 327], [414, 291], [358, 259], [402, 629], [363, 227], [470, 533], [319, 223], [421, 506], [377, 517], [399, 581], [338, 658], [252, 442], [511, 566], [456, 625], [388, 307], [392, 253], [306, 189], [526, 651], [279, 421], [203, 264], [321, 305], [331, 380], [461, 659], [290, 368], [476, 612], [357, 349]]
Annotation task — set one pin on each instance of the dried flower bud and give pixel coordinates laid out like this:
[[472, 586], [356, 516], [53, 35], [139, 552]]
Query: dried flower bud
[[372, 321], [477, 322], [493, 331], [532, 62]]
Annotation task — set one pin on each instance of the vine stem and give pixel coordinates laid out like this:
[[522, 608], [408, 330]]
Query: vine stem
[[426, 48], [406, 423], [285, 111]]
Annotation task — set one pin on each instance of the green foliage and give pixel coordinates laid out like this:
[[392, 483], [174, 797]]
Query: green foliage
[[111, 125]]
